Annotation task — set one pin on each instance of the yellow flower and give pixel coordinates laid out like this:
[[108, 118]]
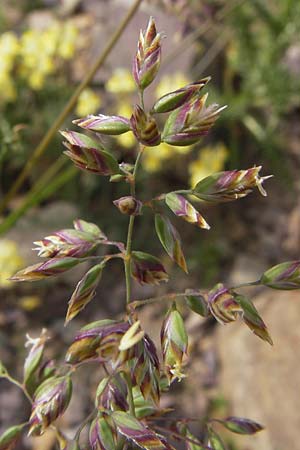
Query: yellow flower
[[180, 150], [124, 109], [210, 160], [68, 41], [51, 38], [121, 82], [169, 83], [88, 102], [10, 261], [126, 140], [9, 45], [29, 302], [8, 91], [36, 80], [155, 156]]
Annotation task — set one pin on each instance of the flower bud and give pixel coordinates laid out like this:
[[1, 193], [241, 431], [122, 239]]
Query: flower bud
[[111, 125], [214, 441], [147, 60], [230, 185], [111, 394], [144, 127], [170, 240], [98, 340], [241, 425], [146, 369], [227, 306], [102, 435], [129, 205], [9, 438], [89, 155], [51, 399], [84, 291], [147, 269], [50, 268], [34, 358], [223, 305], [174, 342], [184, 209], [190, 122], [132, 336], [137, 432], [285, 276], [89, 227], [197, 303], [68, 242], [173, 100]]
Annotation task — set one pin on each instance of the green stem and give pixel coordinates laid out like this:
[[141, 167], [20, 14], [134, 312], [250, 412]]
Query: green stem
[[130, 230], [127, 264], [127, 259], [19, 385], [142, 99], [69, 106], [250, 283], [168, 297], [86, 421]]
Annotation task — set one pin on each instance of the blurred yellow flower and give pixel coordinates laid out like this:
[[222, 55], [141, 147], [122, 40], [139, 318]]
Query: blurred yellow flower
[[88, 102], [126, 140], [9, 45], [8, 91], [36, 80], [124, 108], [121, 82], [170, 82], [29, 302], [68, 41], [155, 156], [10, 261], [211, 159]]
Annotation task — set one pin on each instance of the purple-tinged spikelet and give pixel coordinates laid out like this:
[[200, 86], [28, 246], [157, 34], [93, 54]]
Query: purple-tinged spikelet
[[144, 127], [230, 185], [184, 209], [186, 125], [147, 59], [111, 125], [50, 400]]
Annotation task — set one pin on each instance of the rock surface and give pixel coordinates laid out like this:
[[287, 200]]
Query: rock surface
[[262, 382]]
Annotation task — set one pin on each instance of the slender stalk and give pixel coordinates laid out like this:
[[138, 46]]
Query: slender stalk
[[142, 99], [69, 106], [86, 421], [130, 230], [250, 283], [20, 386], [127, 269], [174, 296], [168, 297], [127, 259], [183, 438]]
